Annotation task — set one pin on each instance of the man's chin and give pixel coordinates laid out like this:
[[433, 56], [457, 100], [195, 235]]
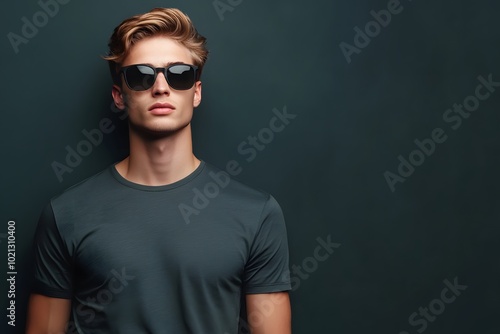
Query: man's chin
[[156, 132]]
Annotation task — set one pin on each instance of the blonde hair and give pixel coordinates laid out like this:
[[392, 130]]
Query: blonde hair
[[169, 22]]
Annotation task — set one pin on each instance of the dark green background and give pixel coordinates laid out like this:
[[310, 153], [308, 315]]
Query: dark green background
[[326, 168]]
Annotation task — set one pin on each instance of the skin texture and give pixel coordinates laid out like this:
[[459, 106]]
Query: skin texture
[[269, 313], [160, 153], [47, 315]]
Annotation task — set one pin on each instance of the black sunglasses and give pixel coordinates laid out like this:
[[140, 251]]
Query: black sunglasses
[[141, 77]]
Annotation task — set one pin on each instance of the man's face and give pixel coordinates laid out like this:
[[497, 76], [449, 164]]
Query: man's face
[[158, 52]]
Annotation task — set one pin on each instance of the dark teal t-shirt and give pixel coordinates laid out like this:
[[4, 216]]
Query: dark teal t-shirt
[[173, 259]]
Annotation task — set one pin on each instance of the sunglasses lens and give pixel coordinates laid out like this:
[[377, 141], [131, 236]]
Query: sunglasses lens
[[181, 77], [140, 77]]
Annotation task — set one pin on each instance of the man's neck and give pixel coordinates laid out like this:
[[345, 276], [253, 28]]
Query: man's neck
[[160, 161]]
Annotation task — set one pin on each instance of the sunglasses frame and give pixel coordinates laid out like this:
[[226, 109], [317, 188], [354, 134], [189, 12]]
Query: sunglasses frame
[[157, 70]]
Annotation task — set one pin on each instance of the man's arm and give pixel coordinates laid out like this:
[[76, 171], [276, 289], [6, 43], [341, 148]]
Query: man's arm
[[269, 313], [47, 315]]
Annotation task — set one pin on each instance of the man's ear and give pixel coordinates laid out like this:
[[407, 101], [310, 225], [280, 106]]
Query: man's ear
[[117, 94], [197, 94]]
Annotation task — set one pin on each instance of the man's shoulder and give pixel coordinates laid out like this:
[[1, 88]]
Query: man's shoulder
[[228, 182], [222, 197], [86, 187]]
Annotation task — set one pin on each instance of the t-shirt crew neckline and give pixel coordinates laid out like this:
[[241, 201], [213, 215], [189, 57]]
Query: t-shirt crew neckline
[[118, 177]]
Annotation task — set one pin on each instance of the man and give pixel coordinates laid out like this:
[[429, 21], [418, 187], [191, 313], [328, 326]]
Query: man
[[128, 250]]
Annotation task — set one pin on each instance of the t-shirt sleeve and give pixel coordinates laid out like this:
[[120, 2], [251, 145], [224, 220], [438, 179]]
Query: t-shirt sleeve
[[267, 267], [52, 261]]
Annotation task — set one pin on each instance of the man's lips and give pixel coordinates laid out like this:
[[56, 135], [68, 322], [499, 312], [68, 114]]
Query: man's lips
[[161, 108]]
